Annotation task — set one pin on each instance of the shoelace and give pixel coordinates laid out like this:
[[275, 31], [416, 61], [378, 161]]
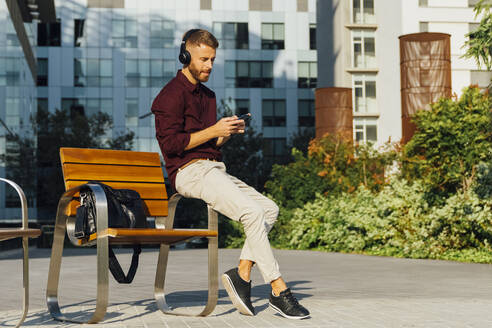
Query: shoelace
[[292, 300]]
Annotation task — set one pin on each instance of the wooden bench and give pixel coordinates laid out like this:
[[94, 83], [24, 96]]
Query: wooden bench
[[140, 171], [25, 233]]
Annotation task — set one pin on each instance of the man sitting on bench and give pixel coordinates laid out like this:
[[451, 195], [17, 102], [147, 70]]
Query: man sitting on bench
[[190, 138]]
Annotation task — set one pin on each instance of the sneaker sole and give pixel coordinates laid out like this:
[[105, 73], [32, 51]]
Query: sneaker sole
[[286, 315], [233, 295]]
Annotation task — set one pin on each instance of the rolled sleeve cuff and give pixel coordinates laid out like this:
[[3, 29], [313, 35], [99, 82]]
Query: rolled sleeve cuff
[[175, 144]]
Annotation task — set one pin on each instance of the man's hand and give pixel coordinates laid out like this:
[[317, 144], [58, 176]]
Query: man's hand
[[227, 126]]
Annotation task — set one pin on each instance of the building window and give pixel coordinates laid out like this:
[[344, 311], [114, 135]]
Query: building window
[[49, 34], [80, 37], [424, 26], [261, 5], [273, 112], [274, 149], [11, 34], [272, 36], [162, 33], [10, 71], [312, 36], [124, 33], [131, 114], [249, 74], [364, 49], [93, 72], [307, 74], [148, 73], [364, 93], [232, 35], [365, 129], [87, 106], [205, 4], [363, 12], [42, 72], [305, 111], [12, 112]]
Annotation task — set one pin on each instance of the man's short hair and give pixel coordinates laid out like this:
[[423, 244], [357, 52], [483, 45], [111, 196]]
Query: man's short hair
[[202, 37]]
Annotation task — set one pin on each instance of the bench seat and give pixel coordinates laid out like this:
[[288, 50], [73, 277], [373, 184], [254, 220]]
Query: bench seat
[[9, 233], [123, 236]]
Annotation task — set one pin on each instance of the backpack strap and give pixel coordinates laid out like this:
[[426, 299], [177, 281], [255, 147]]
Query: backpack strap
[[117, 271]]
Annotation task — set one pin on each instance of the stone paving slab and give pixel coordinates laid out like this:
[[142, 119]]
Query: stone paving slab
[[340, 290]]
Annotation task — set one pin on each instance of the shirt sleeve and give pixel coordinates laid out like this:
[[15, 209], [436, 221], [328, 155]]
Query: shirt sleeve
[[169, 123]]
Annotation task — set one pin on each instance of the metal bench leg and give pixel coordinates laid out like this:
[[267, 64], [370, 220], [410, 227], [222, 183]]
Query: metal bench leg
[[63, 222], [25, 249], [159, 294]]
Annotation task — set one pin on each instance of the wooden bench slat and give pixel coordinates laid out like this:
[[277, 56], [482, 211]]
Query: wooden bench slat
[[146, 190], [9, 233], [151, 236], [155, 207], [112, 173], [106, 156]]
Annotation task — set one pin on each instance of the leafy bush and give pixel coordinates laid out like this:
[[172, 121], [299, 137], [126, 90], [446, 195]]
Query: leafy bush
[[451, 140], [331, 166], [397, 221]]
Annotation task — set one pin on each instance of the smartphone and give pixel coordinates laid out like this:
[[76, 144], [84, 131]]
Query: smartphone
[[244, 117]]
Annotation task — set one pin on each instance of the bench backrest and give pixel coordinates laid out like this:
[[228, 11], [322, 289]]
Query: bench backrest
[[120, 169]]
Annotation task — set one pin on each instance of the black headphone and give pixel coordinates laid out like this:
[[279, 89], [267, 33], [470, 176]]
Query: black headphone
[[184, 55]]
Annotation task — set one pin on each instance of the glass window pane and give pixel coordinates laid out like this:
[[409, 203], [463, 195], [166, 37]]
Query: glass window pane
[[279, 108], [242, 69], [230, 68], [143, 67], [92, 106], [131, 28], [371, 89], [255, 69], [118, 28], [131, 66], [168, 29], [106, 67], [107, 106], [229, 31], [93, 67], [267, 108], [79, 67], [369, 47], [372, 133], [169, 68], [156, 67], [303, 70], [267, 31], [278, 31], [217, 30], [155, 29], [313, 70], [267, 69]]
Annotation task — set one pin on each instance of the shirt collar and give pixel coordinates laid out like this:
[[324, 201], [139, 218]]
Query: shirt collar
[[188, 85]]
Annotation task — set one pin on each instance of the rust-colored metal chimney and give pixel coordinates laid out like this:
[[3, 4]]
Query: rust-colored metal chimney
[[333, 110], [425, 67]]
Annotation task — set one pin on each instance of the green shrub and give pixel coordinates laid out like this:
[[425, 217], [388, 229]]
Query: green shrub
[[397, 222], [451, 140], [331, 166]]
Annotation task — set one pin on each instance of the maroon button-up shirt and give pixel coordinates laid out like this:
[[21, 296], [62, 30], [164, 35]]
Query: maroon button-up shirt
[[180, 109]]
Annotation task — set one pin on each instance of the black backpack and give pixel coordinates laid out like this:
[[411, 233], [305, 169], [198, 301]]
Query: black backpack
[[125, 210]]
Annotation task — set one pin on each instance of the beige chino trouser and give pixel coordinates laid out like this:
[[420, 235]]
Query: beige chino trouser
[[209, 181]]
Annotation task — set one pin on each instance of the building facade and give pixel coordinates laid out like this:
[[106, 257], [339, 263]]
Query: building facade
[[115, 56], [358, 48]]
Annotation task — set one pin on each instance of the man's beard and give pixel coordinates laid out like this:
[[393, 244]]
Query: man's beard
[[196, 74]]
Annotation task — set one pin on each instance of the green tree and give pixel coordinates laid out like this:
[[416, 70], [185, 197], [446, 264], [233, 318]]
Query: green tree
[[38, 151], [479, 43]]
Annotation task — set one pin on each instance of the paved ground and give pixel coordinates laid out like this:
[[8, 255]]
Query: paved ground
[[340, 291]]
